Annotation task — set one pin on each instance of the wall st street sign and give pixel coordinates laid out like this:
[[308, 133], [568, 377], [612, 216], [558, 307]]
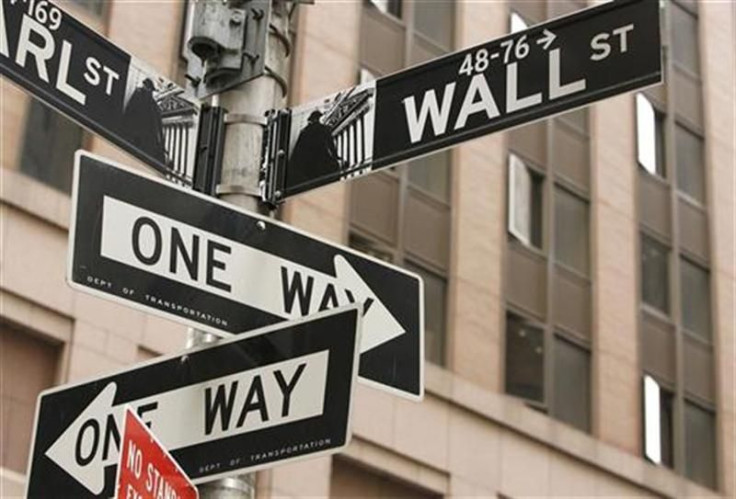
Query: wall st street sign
[[83, 75], [173, 252], [249, 402], [545, 70]]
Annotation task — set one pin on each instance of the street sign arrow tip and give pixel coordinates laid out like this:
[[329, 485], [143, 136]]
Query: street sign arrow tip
[[64, 451], [379, 324]]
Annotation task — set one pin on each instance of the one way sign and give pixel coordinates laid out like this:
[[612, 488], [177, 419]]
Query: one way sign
[[274, 395], [187, 256]]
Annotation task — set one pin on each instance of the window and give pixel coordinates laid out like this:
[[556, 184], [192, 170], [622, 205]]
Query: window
[[679, 348], [431, 173], [700, 445], [658, 417], [517, 23], [689, 160], [402, 214], [695, 299], [392, 7], [649, 137], [655, 285], [571, 377], [524, 359], [435, 297], [566, 373], [27, 367], [94, 6], [548, 211], [571, 231], [685, 42], [49, 146], [365, 245], [436, 20], [525, 203]]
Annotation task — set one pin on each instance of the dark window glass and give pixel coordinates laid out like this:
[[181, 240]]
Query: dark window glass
[[571, 384], [666, 415], [435, 291], [392, 7], [571, 231], [700, 445], [578, 119], [48, 149], [524, 359], [689, 160], [685, 38], [659, 146], [436, 20], [365, 245], [432, 174], [654, 274], [95, 6], [695, 298]]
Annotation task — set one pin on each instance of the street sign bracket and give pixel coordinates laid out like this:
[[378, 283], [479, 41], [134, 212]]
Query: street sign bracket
[[227, 46], [210, 147], [275, 154], [242, 118]]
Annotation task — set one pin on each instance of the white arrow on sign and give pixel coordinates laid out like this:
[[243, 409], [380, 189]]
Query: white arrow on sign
[[163, 246], [547, 39], [273, 395]]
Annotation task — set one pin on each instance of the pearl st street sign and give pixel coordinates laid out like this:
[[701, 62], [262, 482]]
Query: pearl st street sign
[[83, 75], [246, 403], [545, 70], [173, 252]]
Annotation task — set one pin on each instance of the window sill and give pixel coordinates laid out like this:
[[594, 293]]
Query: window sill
[[648, 176], [519, 245], [12, 483], [656, 314], [692, 201], [30, 195], [514, 415]]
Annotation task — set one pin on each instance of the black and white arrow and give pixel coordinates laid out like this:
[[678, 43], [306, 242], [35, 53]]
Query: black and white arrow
[[278, 394], [272, 395], [170, 248], [547, 39]]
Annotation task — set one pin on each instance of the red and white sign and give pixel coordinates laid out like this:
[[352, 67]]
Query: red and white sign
[[146, 469]]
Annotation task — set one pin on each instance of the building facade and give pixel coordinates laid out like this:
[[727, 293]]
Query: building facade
[[579, 272]]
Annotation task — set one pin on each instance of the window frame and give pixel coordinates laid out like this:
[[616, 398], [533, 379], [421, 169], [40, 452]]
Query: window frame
[[377, 5], [552, 174], [667, 246], [683, 340], [560, 186], [400, 253], [551, 335]]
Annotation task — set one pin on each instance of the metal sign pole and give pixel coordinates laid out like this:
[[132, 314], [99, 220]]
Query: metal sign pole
[[245, 121]]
